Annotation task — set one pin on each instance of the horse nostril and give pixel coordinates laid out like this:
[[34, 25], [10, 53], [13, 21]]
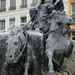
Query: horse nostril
[[70, 19], [10, 56]]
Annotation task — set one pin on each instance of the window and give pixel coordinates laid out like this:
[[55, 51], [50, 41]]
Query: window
[[12, 21], [2, 5], [23, 20], [73, 11], [12, 5], [23, 3], [34, 2], [2, 25], [73, 8], [73, 35]]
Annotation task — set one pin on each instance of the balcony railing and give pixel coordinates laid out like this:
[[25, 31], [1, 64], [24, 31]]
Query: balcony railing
[[12, 8], [23, 6], [73, 17], [33, 4], [2, 9]]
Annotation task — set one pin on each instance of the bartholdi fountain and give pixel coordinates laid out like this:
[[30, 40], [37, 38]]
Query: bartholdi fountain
[[40, 47]]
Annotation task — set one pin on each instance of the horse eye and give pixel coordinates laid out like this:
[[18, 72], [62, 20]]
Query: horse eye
[[15, 43], [6, 43]]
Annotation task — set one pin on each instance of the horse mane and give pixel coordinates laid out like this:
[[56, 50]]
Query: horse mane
[[14, 30], [56, 15]]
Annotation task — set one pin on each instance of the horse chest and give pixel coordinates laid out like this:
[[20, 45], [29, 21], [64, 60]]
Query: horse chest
[[57, 42]]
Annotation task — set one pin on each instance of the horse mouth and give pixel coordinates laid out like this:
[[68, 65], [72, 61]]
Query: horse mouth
[[9, 60], [68, 24]]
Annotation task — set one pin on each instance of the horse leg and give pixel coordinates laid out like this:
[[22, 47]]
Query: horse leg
[[5, 68], [27, 64], [49, 54]]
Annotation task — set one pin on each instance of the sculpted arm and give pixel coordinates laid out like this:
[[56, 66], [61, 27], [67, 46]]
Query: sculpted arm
[[57, 1], [38, 4]]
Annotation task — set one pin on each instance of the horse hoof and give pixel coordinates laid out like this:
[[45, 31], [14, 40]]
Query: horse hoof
[[25, 74], [51, 73]]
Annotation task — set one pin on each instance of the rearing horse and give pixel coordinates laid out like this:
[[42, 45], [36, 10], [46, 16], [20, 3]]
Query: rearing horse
[[56, 41]]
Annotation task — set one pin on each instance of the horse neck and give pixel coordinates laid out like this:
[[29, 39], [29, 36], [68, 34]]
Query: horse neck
[[55, 26]]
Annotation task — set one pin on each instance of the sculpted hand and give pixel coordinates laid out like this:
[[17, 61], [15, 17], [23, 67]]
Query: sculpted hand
[[36, 9], [37, 29], [55, 4]]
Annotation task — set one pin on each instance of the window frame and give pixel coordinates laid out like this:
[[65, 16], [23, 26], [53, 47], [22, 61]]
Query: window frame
[[72, 36], [10, 6], [24, 22], [5, 6], [9, 17], [20, 4], [12, 20], [22, 18], [22, 15], [72, 8]]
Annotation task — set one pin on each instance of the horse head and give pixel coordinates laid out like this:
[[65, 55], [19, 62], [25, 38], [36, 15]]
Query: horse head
[[65, 19], [15, 43], [61, 17], [60, 20]]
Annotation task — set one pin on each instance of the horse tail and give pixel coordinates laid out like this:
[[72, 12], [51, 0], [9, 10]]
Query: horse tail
[[68, 52]]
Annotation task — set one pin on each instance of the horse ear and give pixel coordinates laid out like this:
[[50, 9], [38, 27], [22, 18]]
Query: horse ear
[[57, 20], [7, 41], [20, 39]]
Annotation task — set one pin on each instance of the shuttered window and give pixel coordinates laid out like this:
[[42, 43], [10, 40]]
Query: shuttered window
[[12, 5], [23, 20], [23, 3], [73, 35], [2, 25], [3, 3], [73, 8], [3, 6], [73, 11], [12, 21]]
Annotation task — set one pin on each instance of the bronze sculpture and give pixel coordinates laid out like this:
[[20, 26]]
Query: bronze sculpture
[[36, 47]]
